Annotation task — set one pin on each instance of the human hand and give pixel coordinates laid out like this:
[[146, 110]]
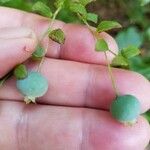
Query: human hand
[[73, 115]]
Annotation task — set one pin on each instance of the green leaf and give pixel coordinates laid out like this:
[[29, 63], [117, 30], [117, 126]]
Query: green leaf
[[4, 1], [147, 115], [85, 2], [107, 25], [128, 37], [59, 3], [120, 61], [20, 72], [145, 2], [130, 51], [101, 45], [58, 36], [42, 9], [78, 8], [92, 17], [39, 53]]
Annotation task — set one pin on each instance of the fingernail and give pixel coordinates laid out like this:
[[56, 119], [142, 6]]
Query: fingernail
[[16, 32]]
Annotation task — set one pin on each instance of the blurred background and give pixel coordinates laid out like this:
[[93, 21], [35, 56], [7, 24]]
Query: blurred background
[[134, 15]]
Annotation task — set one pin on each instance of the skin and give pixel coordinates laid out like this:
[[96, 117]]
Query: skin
[[73, 115]]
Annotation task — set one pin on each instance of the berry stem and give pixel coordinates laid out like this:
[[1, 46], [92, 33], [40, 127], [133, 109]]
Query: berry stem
[[112, 52], [97, 36], [46, 33], [84, 21], [51, 23], [43, 58], [111, 75], [2, 80]]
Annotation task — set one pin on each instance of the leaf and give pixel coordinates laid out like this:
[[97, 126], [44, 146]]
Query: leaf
[[85, 2], [78, 8], [59, 3], [128, 37], [58, 36], [4, 1], [67, 16], [92, 17], [130, 51], [144, 2], [42, 9], [107, 25], [147, 116], [20, 72], [39, 53], [120, 61], [101, 45]]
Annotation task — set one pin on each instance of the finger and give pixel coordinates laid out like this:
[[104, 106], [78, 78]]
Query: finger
[[79, 44], [48, 127], [16, 45], [78, 84]]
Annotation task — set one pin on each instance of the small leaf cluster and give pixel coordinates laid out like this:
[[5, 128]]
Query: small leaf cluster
[[122, 60], [79, 8], [56, 35]]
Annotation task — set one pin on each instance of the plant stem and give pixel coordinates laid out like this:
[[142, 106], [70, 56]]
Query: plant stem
[[84, 20], [87, 24], [51, 24], [46, 33], [111, 75], [97, 36], [5, 78], [112, 52], [43, 58]]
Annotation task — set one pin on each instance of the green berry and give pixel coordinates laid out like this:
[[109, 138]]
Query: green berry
[[32, 87], [126, 109]]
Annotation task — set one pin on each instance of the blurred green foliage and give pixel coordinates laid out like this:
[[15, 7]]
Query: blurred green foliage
[[130, 36]]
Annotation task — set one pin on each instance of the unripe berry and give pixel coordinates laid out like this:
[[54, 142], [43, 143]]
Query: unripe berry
[[32, 87], [126, 109]]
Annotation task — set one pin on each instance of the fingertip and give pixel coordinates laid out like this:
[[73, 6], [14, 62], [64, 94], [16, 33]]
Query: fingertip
[[106, 130], [17, 45], [133, 83], [143, 127]]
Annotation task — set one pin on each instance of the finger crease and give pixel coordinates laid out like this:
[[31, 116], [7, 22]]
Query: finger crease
[[22, 130], [87, 91], [84, 142]]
